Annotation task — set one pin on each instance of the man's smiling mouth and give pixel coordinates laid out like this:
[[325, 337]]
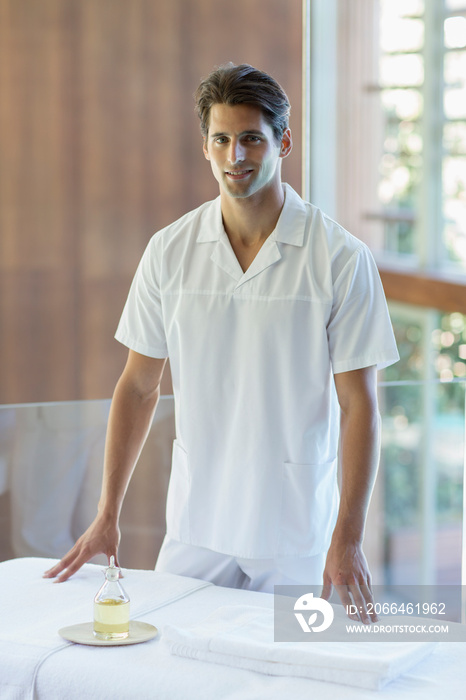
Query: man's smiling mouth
[[238, 173]]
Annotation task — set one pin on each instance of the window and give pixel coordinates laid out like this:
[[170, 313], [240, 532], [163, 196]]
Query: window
[[422, 196], [422, 186], [398, 182]]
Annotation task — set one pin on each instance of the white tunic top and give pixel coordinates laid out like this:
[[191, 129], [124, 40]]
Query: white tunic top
[[252, 356]]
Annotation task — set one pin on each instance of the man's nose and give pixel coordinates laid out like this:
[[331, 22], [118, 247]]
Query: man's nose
[[236, 151]]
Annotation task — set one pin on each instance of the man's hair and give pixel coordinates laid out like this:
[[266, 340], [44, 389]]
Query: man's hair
[[233, 85]]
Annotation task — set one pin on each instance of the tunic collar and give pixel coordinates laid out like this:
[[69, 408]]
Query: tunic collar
[[290, 226]]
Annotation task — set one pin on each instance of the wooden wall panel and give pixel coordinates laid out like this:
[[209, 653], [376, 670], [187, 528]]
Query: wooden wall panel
[[38, 331], [99, 148], [419, 288]]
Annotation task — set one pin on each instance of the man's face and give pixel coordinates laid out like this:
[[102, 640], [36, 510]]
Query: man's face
[[243, 152]]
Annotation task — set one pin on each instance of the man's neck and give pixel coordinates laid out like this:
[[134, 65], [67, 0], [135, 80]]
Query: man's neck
[[249, 221]]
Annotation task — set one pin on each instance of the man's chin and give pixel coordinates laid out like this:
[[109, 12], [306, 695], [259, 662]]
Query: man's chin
[[238, 190]]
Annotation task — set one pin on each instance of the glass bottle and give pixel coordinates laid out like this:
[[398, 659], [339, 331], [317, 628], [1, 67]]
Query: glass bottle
[[111, 607]]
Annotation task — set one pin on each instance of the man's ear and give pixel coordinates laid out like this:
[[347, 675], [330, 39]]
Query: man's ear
[[204, 148], [286, 144]]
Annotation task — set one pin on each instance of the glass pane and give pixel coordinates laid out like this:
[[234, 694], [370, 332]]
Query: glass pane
[[401, 70], [423, 444], [454, 206], [399, 34], [455, 67], [454, 141], [449, 346], [455, 32], [401, 8], [401, 474], [454, 138], [51, 460], [455, 4], [423, 409], [402, 104], [400, 170], [455, 103], [409, 333]]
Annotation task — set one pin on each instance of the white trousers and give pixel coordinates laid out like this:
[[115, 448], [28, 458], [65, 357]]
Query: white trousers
[[235, 572]]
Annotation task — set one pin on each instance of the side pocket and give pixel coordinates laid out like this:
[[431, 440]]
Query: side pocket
[[309, 508], [178, 496]]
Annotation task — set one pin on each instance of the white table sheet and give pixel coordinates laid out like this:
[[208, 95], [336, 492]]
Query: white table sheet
[[36, 663]]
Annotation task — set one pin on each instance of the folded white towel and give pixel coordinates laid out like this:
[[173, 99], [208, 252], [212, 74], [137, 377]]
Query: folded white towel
[[243, 636]]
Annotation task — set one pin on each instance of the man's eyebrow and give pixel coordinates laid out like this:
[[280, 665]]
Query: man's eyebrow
[[253, 132]]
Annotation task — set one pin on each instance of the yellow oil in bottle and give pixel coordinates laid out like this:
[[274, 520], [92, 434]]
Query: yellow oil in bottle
[[111, 619]]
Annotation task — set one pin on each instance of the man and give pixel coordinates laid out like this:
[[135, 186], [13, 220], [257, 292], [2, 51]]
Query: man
[[274, 320]]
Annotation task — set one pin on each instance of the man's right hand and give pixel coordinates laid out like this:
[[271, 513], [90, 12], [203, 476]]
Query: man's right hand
[[102, 537]]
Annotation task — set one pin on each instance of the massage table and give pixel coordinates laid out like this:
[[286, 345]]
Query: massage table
[[37, 663]]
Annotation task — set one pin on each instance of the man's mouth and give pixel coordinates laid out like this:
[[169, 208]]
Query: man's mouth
[[237, 174]]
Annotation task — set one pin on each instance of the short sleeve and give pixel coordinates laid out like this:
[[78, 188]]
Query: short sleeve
[[141, 326], [360, 332]]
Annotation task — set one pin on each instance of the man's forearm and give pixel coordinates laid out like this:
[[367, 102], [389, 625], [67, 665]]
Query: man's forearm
[[130, 418], [359, 457], [346, 566]]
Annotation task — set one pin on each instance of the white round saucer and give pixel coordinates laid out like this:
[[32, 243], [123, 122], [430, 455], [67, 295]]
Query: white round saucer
[[84, 634]]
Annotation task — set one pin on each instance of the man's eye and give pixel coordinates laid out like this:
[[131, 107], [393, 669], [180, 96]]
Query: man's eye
[[253, 138], [221, 139]]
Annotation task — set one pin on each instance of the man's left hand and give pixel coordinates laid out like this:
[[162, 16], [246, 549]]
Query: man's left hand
[[346, 569]]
